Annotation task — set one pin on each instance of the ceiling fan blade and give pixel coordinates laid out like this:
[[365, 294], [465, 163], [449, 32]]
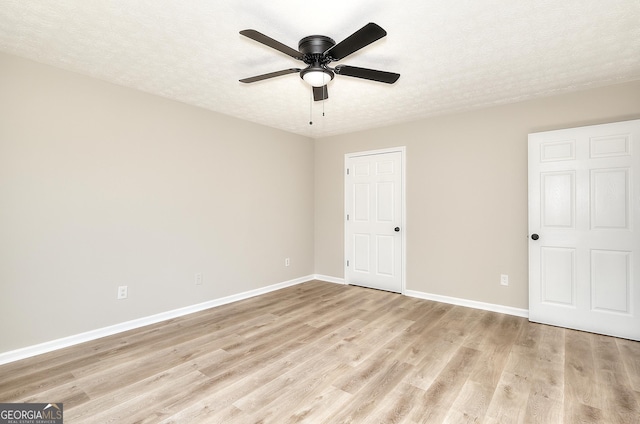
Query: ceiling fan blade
[[268, 41], [365, 73], [270, 75], [359, 39], [320, 93]]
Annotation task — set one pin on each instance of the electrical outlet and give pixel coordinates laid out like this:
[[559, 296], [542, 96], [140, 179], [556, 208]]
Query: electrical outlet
[[122, 292], [504, 279], [198, 279], [287, 262]]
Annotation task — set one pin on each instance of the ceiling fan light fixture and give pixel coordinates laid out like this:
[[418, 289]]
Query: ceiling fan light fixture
[[318, 51], [316, 77]]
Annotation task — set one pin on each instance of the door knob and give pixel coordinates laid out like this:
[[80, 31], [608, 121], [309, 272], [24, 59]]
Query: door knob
[[397, 229], [534, 237]]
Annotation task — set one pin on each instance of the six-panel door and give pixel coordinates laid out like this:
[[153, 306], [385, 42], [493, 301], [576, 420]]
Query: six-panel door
[[373, 197], [584, 206]]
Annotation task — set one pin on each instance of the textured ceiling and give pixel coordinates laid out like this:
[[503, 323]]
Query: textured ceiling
[[452, 55]]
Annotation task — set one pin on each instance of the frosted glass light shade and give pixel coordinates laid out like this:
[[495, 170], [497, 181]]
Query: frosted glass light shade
[[316, 78]]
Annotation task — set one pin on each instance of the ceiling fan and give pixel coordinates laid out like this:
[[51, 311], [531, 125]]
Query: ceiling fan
[[317, 51]]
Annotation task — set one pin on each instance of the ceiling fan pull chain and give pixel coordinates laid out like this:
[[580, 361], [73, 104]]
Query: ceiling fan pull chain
[[324, 98], [311, 108]]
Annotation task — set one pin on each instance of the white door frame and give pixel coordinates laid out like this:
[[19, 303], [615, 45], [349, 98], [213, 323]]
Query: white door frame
[[403, 226]]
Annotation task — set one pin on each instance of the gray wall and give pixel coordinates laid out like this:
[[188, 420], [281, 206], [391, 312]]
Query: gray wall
[[466, 191], [102, 186]]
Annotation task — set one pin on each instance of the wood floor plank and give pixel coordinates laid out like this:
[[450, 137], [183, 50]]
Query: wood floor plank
[[579, 370], [577, 412], [232, 383], [365, 400], [326, 353], [442, 339], [609, 365], [298, 377], [145, 406], [486, 325], [630, 354], [372, 336], [496, 350], [295, 388], [16, 388], [321, 408], [547, 380], [131, 393], [441, 394], [111, 377], [205, 410], [353, 381], [398, 406], [471, 404], [410, 345], [69, 394], [542, 409], [621, 405], [509, 401], [552, 345]]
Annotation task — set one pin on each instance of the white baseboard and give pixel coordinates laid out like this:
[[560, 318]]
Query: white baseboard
[[446, 299], [29, 351], [52, 345], [329, 279], [469, 303]]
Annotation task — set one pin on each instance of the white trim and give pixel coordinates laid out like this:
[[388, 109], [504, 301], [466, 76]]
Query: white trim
[[52, 345], [329, 279], [403, 181], [29, 351], [524, 313]]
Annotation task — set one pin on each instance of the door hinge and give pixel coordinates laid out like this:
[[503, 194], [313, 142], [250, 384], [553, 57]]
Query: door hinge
[[347, 262], [347, 171], [347, 217]]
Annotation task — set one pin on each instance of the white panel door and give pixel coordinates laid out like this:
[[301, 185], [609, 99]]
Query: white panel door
[[584, 228], [373, 227]]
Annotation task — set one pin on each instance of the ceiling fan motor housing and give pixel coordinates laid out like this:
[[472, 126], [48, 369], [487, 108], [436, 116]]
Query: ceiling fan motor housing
[[315, 44]]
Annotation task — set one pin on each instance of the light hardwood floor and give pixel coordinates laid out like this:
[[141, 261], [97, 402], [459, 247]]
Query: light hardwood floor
[[326, 353]]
